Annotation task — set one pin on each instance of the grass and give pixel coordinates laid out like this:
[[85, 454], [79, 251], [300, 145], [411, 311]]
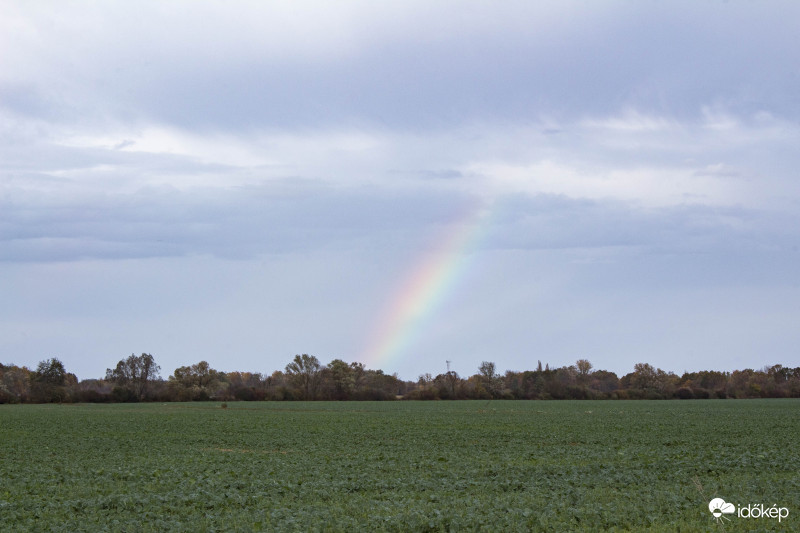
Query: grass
[[397, 466]]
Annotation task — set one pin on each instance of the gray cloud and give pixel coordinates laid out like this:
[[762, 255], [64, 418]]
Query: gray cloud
[[240, 222], [504, 62], [269, 174]]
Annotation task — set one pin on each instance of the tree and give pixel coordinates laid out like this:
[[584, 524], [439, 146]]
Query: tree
[[304, 372], [653, 382], [134, 374], [246, 385], [48, 381], [358, 372], [489, 378], [198, 382], [14, 384], [644, 376], [584, 367], [51, 372], [342, 379], [487, 370], [452, 380], [604, 381], [449, 385]]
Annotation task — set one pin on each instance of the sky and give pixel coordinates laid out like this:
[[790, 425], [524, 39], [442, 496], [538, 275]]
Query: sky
[[401, 184]]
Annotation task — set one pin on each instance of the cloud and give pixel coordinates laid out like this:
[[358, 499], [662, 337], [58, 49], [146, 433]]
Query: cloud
[[238, 222], [291, 216], [287, 162], [414, 66], [650, 187], [628, 178]]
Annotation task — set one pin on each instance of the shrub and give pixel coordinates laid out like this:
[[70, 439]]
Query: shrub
[[684, 393]]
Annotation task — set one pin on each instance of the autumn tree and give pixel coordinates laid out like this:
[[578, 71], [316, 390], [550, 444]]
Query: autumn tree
[[357, 371], [134, 374], [51, 372], [584, 367], [197, 382], [489, 378], [604, 381], [246, 385], [449, 385], [650, 381], [304, 372], [341, 378], [48, 381], [15, 384]]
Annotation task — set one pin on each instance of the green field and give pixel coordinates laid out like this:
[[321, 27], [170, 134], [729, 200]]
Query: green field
[[398, 466]]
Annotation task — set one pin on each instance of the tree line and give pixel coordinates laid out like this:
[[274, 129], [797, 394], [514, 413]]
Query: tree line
[[137, 378]]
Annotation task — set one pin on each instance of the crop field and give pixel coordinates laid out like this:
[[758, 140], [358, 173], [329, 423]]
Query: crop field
[[399, 466]]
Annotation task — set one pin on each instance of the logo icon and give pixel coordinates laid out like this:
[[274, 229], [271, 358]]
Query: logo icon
[[720, 507]]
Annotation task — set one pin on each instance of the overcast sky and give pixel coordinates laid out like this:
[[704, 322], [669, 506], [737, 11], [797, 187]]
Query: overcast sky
[[400, 183]]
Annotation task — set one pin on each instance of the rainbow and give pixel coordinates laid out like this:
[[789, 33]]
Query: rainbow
[[434, 276]]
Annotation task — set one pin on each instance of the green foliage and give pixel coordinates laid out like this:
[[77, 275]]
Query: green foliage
[[396, 466]]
